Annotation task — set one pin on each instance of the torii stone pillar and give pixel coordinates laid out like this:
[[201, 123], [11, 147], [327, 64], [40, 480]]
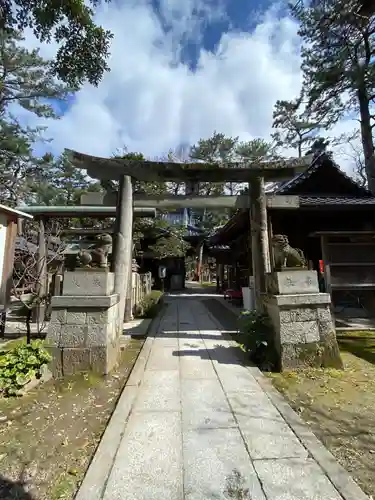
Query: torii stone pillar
[[123, 244], [128, 313], [259, 239]]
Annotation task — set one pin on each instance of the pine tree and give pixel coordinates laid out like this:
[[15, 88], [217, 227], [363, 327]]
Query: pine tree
[[26, 81], [255, 149], [62, 184], [293, 127], [83, 45], [217, 149], [20, 170], [223, 150], [338, 66], [139, 187], [26, 78]]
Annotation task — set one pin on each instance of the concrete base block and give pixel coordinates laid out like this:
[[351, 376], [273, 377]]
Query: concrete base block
[[82, 335], [74, 360], [304, 331]]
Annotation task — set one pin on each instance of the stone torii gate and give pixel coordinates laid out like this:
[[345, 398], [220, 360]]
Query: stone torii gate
[[253, 173]]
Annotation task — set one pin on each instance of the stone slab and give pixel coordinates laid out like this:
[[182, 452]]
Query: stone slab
[[96, 283], [100, 467], [167, 342], [269, 437], [101, 316], [163, 358], [100, 335], [204, 405], [194, 367], [75, 318], [194, 345], [236, 378], [73, 336], [58, 316], [210, 458], [300, 299], [291, 282], [53, 335], [162, 398], [148, 465], [299, 332], [161, 377], [251, 404], [75, 360], [295, 479], [84, 301]]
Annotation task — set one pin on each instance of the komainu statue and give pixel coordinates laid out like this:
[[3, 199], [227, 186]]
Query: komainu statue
[[97, 256], [285, 255]]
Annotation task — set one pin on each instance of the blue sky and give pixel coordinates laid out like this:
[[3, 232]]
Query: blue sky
[[180, 70], [240, 15], [61, 107]]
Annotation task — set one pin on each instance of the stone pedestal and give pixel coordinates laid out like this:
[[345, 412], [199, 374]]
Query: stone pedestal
[[82, 332], [305, 334], [97, 282]]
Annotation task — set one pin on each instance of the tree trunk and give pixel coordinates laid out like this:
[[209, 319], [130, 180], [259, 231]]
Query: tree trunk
[[299, 146], [42, 276], [28, 325], [366, 136], [3, 320]]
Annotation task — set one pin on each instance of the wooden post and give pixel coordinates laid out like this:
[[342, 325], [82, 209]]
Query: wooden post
[[326, 264], [41, 272], [200, 264], [270, 247], [229, 276], [123, 244], [259, 239]]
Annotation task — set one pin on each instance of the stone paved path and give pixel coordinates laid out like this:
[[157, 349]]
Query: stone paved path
[[190, 416]]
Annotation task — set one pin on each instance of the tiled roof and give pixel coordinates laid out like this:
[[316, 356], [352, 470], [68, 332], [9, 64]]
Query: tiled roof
[[284, 187], [335, 200], [364, 196], [219, 247], [23, 245]]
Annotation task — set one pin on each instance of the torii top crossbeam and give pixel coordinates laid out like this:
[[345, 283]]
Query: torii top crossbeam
[[115, 168]]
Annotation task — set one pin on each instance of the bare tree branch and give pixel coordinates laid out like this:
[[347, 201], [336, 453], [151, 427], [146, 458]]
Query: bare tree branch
[[31, 269]]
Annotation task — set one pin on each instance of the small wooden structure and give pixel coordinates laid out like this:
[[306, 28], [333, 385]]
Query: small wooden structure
[[8, 233], [348, 260], [327, 203]]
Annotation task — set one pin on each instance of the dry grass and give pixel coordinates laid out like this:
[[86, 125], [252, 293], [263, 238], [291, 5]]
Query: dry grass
[[48, 436], [340, 405]]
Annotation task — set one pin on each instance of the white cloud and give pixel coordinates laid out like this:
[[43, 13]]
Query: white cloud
[[150, 102]]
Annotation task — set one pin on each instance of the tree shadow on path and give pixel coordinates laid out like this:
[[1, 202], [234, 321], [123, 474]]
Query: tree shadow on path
[[13, 490], [222, 354]]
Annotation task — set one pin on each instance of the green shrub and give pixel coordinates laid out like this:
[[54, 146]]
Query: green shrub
[[20, 365], [256, 338], [150, 305]]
